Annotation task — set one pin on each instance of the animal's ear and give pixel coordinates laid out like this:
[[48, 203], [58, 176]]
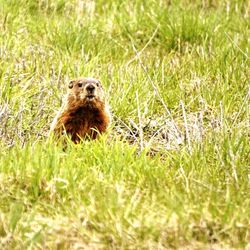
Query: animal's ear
[[71, 84]]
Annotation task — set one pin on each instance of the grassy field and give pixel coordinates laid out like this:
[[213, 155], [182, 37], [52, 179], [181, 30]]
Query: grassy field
[[174, 169]]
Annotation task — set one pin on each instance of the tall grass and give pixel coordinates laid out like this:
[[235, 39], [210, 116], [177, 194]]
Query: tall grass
[[172, 171]]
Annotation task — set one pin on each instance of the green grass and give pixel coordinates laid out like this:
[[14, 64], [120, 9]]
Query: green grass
[[173, 171]]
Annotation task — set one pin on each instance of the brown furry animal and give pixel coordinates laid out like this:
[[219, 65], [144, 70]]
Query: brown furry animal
[[85, 112]]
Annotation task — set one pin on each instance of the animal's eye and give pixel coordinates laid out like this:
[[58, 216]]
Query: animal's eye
[[79, 84], [98, 84]]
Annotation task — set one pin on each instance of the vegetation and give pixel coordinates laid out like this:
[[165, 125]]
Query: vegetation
[[173, 171]]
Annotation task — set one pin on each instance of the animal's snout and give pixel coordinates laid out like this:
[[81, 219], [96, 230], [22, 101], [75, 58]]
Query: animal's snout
[[90, 88]]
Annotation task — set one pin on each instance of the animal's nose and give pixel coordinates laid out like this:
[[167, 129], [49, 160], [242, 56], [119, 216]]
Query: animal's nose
[[90, 88]]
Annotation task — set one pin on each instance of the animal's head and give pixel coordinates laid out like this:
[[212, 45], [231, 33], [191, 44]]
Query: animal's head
[[86, 92]]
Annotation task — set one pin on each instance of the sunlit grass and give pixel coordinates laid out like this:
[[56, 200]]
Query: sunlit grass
[[173, 171]]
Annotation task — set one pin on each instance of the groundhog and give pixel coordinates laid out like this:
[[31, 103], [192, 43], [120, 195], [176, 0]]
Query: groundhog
[[85, 112]]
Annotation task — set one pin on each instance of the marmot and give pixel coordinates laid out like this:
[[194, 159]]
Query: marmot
[[85, 112]]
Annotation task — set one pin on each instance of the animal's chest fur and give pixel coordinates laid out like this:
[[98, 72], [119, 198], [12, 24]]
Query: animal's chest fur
[[84, 123]]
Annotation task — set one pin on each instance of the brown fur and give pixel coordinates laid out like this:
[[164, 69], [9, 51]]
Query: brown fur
[[85, 113]]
